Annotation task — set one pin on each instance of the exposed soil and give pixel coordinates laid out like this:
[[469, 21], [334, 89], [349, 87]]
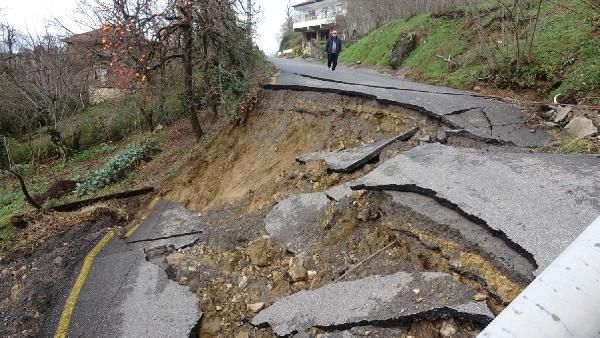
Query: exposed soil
[[37, 278], [245, 171], [257, 161], [236, 268]]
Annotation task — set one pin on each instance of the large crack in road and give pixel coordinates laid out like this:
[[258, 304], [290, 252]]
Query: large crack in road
[[427, 237]]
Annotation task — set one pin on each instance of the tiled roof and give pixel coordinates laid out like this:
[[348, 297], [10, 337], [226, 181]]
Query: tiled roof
[[91, 36]]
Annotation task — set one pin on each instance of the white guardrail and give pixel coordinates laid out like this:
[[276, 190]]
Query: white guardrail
[[563, 301]]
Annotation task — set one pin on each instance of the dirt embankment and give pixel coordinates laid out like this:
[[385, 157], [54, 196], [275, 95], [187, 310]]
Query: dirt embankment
[[256, 162], [237, 269]]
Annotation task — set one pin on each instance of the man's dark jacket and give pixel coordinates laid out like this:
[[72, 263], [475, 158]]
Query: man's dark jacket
[[329, 44]]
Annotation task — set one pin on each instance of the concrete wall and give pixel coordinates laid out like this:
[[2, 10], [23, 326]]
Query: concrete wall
[[98, 95]]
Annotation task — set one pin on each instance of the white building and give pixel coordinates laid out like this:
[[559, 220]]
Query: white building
[[316, 18]]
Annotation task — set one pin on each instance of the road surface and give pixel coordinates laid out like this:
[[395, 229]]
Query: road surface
[[477, 117]]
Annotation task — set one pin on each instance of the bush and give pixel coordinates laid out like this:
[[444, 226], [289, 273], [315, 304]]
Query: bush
[[116, 167]]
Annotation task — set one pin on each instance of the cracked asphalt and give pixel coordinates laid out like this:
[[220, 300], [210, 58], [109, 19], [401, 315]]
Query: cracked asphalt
[[480, 118], [538, 202], [127, 293]]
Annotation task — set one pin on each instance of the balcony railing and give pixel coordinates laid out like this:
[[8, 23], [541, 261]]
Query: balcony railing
[[326, 20]]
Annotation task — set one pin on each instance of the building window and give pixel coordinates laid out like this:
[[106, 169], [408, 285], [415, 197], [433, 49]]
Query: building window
[[100, 73], [325, 12], [311, 15]]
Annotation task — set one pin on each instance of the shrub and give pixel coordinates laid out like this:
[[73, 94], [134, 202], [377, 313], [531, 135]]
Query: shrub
[[116, 167]]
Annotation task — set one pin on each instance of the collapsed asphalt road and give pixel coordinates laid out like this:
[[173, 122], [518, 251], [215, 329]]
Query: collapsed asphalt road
[[127, 291], [525, 198], [363, 232], [470, 114]]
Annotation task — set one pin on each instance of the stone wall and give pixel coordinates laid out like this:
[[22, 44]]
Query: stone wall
[[98, 95]]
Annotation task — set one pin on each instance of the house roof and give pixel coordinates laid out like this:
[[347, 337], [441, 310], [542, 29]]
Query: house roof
[[94, 36], [306, 2]]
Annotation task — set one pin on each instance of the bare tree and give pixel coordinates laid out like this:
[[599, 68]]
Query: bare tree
[[364, 16], [518, 33], [145, 35], [48, 80]]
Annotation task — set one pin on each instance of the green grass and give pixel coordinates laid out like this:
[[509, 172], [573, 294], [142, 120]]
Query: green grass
[[373, 49], [574, 145], [563, 32], [445, 39]]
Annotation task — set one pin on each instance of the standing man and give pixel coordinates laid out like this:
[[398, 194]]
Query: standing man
[[333, 48]]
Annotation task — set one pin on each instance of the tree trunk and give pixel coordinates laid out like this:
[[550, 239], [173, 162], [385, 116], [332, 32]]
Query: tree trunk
[[56, 138], [189, 84], [24, 189]]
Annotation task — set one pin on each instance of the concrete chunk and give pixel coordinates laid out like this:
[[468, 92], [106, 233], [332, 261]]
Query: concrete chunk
[[581, 127], [561, 113], [339, 191], [294, 221], [526, 199], [374, 299], [352, 159]]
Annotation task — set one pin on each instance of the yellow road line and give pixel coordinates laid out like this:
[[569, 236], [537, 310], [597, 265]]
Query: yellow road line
[[136, 226], [65, 317]]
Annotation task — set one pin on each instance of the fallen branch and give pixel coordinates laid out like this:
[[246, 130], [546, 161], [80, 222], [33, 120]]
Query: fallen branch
[[366, 260], [80, 204]]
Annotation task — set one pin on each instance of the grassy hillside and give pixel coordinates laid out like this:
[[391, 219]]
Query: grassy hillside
[[566, 53]]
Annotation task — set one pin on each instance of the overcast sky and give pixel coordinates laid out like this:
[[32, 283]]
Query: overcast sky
[[34, 15]]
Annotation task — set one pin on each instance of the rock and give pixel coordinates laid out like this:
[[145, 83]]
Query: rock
[[311, 274], [402, 48], [175, 259], [243, 282], [477, 89], [442, 137], [480, 297], [297, 270], [15, 291], [548, 115], [218, 308], [549, 125], [448, 329], [425, 139], [561, 113], [58, 261], [416, 291], [581, 127], [373, 299], [255, 307], [260, 252], [242, 334]]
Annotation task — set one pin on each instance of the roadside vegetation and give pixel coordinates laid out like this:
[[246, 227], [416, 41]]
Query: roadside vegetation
[[553, 49], [176, 98]]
